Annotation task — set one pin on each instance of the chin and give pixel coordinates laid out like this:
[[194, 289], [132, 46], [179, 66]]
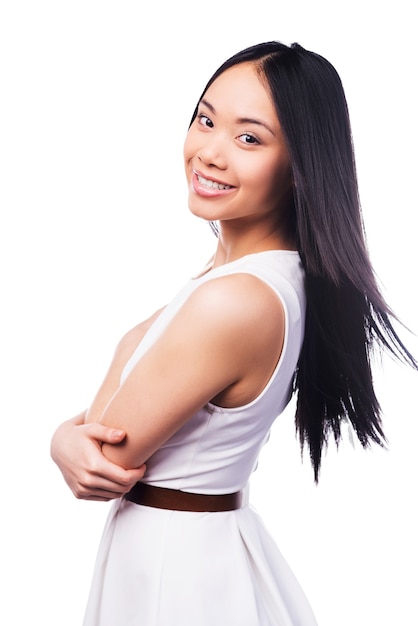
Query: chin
[[199, 211]]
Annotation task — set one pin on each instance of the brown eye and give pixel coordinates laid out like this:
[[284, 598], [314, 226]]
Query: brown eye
[[205, 120], [248, 139]]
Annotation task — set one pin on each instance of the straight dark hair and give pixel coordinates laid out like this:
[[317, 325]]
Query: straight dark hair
[[346, 314]]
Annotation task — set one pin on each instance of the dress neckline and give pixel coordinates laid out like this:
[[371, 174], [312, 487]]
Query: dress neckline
[[209, 269]]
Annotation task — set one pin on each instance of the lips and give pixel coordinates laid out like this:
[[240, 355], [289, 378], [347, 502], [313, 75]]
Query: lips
[[211, 184], [209, 187]]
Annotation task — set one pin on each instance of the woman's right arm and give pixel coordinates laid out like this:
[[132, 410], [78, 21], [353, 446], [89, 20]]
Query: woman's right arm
[[76, 448], [76, 445], [124, 350]]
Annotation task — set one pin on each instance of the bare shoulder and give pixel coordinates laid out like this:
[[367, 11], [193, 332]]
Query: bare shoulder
[[237, 299], [242, 323], [239, 315]]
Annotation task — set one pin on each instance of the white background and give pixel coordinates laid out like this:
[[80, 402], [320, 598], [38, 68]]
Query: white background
[[95, 235]]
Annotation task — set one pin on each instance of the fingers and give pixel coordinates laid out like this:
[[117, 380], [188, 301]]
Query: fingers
[[76, 449], [105, 434], [95, 430], [87, 485], [86, 493], [102, 473], [106, 482], [100, 487]]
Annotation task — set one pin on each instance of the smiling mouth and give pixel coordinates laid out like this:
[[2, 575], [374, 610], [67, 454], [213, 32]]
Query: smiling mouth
[[211, 184]]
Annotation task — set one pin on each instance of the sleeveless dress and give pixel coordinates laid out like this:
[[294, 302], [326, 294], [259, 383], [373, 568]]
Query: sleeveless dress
[[159, 567]]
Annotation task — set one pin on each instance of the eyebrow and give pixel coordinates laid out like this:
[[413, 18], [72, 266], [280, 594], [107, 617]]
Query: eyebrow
[[240, 120]]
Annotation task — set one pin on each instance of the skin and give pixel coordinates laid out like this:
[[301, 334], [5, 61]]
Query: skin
[[76, 445], [76, 449], [250, 157], [235, 140]]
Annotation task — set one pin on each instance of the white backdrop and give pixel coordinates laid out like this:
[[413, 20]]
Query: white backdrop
[[95, 235]]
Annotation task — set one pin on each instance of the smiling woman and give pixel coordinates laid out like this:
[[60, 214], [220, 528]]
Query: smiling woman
[[236, 155], [287, 304]]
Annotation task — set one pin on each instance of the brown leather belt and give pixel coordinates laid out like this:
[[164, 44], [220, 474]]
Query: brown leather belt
[[175, 500]]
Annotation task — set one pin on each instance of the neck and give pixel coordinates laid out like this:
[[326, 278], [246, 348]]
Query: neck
[[234, 243]]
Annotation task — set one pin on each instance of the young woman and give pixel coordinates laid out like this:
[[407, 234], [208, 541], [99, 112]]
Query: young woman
[[288, 303]]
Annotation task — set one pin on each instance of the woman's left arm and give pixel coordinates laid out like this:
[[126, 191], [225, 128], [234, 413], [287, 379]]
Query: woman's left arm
[[210, 345]]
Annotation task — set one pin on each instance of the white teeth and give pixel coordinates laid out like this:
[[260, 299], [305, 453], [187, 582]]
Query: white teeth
[[211, 183]]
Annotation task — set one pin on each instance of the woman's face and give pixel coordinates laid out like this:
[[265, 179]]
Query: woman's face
[[236, 160]]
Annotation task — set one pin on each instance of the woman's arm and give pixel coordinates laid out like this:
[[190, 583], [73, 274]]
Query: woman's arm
[[123, 352], [76, 445], [77, 450], [208, 351]]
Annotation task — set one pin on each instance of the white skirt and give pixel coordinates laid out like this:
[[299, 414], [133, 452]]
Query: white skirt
[[172, 568]]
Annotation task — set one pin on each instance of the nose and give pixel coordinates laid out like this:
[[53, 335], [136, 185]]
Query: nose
[[212, 152]]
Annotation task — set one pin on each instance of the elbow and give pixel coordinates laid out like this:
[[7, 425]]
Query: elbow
[[121, 454]]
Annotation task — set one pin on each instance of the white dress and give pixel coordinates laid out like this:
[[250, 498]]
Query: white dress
[[158, 567]]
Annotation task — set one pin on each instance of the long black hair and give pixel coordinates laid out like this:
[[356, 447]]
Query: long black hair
[[346, 313]]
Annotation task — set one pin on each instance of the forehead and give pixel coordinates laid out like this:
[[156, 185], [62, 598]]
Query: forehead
[[242, 89]]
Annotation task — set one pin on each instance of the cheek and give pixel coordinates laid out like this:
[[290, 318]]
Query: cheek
[[264, 180]]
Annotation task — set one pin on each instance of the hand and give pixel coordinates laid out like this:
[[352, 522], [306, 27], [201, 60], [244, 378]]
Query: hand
[[76, 449]]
